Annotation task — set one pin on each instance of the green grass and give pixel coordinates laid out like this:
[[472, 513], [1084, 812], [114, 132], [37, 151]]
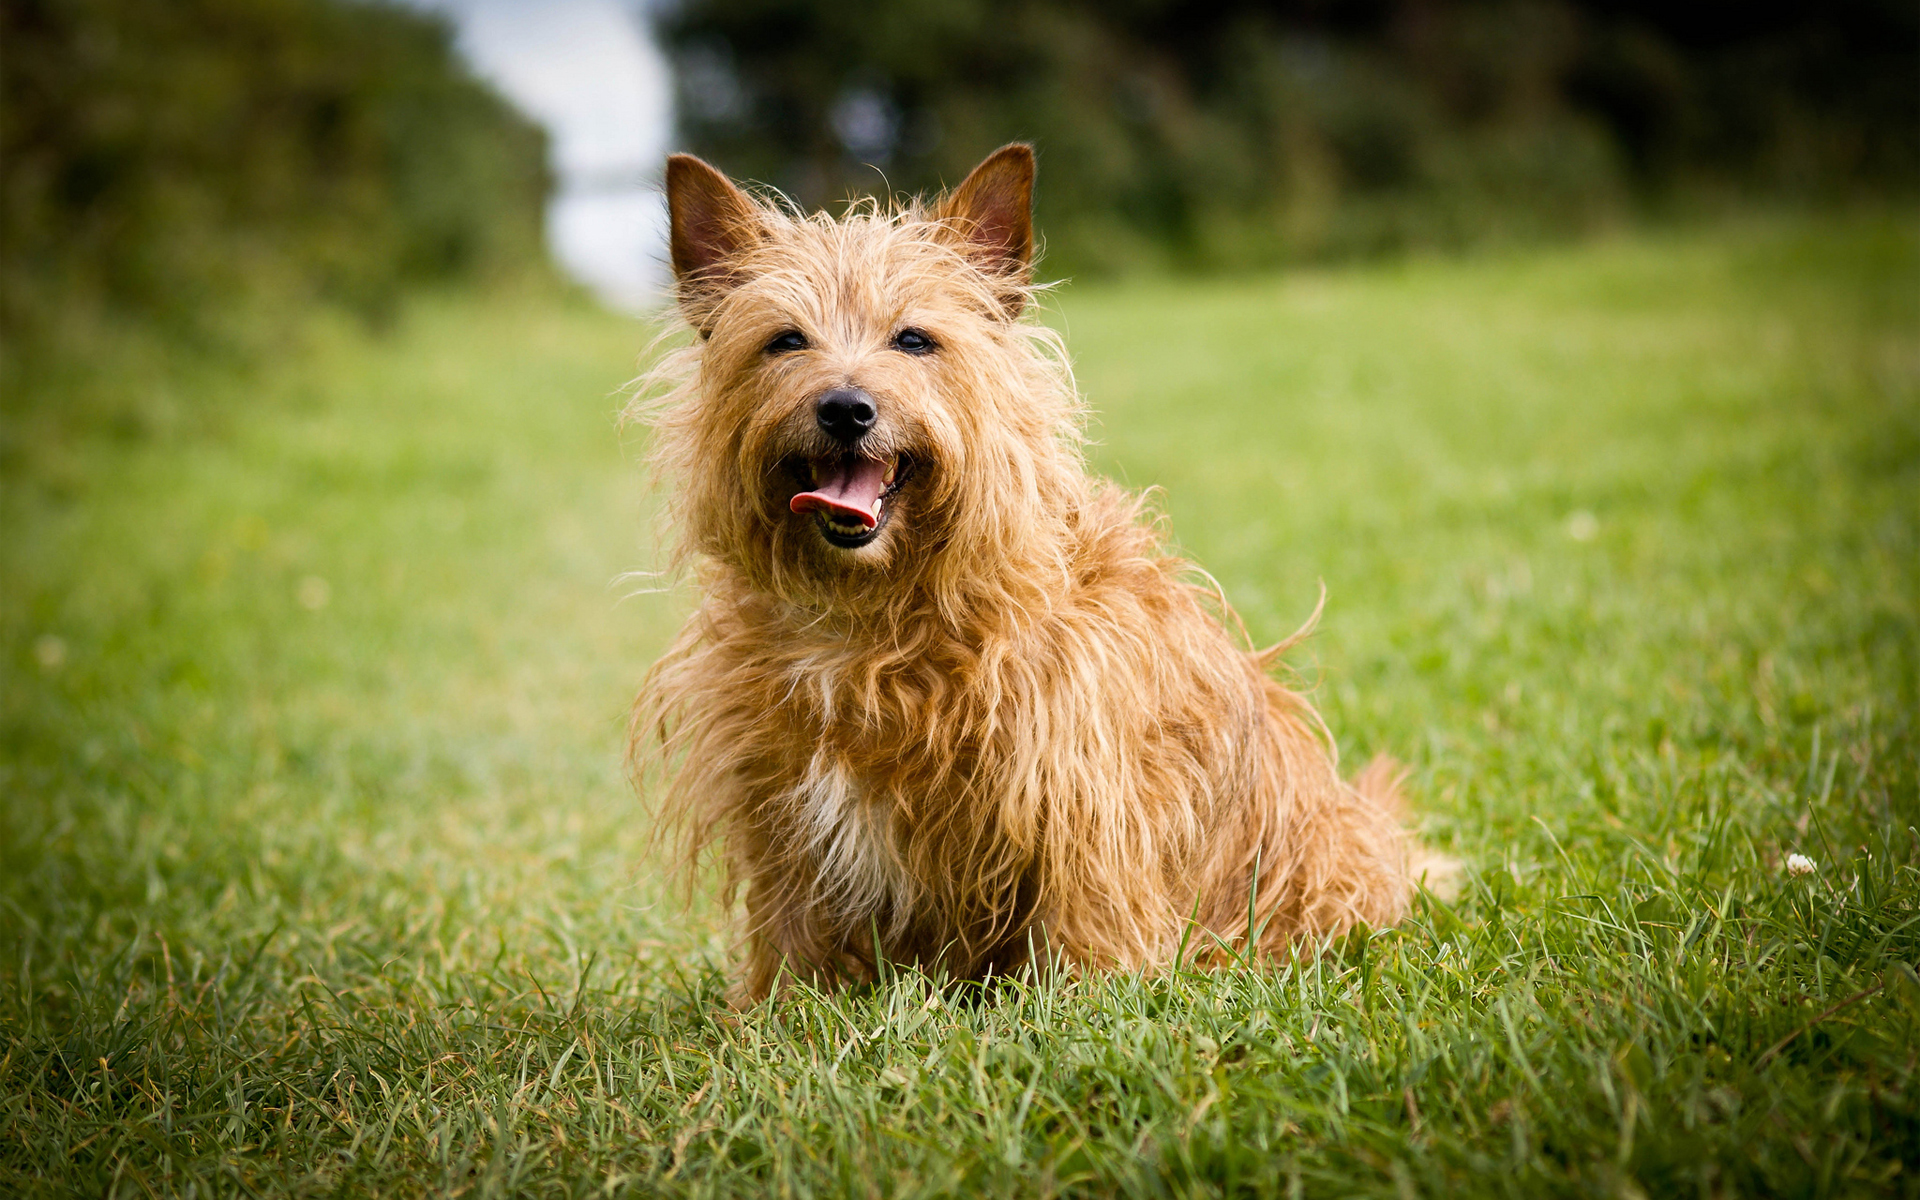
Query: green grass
[[318, 872]]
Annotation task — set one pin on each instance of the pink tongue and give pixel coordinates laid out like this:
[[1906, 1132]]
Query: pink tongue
[[848, 488]]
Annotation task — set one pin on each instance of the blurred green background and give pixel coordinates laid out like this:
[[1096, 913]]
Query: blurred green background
[[1574, 347], [199, 176], [1228, 134]]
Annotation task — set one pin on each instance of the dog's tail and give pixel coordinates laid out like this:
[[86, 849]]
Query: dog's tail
[[1271, 654], [1382, 783]]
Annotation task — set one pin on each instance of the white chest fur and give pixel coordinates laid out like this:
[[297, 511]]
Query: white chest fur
[[849, 837]]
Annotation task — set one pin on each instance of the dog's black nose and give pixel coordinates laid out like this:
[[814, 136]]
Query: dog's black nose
[[846, 414]]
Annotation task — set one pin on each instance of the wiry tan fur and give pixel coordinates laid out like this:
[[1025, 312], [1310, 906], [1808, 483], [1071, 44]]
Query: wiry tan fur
[[1014, 723]]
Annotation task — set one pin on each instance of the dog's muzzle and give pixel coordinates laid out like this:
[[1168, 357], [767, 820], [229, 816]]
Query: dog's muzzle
[[846, 489]]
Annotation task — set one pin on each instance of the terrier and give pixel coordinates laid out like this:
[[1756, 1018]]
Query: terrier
[[948, 700]]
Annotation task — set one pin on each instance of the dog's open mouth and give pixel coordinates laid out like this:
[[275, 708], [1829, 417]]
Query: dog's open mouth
[[848, 493]]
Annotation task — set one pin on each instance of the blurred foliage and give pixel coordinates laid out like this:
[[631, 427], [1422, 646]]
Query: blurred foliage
[[192, 175], [1236, 133]]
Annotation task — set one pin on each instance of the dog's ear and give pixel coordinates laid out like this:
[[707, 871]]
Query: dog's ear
[[992, 210], [712, 222]]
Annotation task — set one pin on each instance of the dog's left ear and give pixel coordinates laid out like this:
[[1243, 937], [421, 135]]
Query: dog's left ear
[[992, 210], [712, 222]]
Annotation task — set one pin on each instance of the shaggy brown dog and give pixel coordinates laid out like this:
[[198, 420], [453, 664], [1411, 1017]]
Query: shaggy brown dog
[[947, 700]]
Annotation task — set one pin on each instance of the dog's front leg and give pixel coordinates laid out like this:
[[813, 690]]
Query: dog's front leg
[[791, 939]]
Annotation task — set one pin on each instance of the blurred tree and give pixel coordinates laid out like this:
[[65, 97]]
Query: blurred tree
[[186, 165], [1238, 133]]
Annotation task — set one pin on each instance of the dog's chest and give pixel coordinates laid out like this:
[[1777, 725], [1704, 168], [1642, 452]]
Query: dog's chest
[[852, 843]]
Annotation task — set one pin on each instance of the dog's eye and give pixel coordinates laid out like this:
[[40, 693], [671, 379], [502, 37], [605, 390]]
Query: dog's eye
[[792, 339], [913, 341]]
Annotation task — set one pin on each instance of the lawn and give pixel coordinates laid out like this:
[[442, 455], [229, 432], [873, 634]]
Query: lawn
[[319, 873]]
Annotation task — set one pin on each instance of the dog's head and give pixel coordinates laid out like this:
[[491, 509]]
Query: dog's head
[[862, 402]]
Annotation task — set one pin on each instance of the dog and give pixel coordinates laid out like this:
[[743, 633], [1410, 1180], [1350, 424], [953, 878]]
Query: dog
[[947, 700]]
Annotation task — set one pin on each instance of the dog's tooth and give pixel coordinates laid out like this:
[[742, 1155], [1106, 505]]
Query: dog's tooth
[[876, 505], [892, 467]]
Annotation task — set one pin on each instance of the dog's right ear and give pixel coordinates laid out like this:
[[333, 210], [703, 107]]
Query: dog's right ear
[[712, 222]]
